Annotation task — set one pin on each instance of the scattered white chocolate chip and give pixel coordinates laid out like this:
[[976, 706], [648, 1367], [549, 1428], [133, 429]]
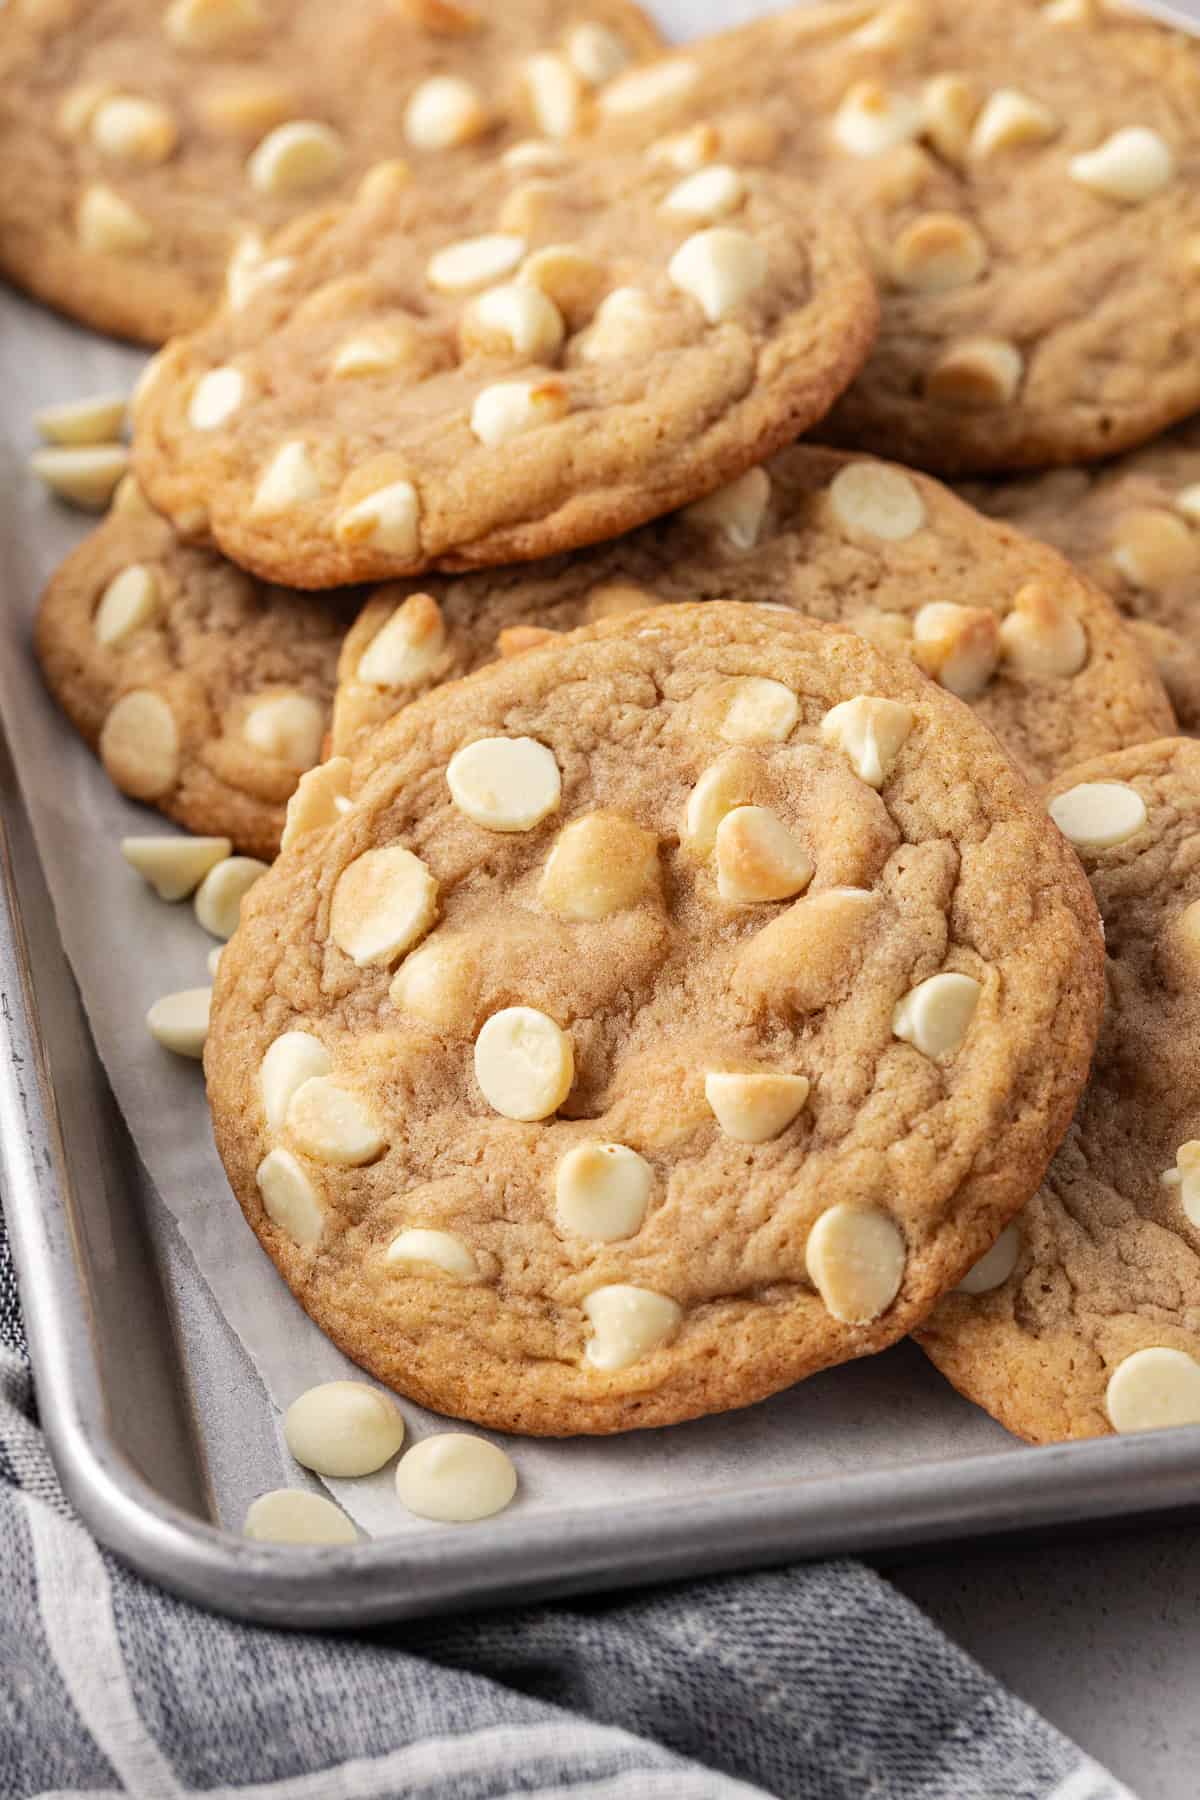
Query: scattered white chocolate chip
[[109, 225], [871, 120], [443, 112], [959, 646], [505, 784], [870, 732], [976, 375], [372, 353], [139, 745], [555, 94], [78, 104], [1010, 120], [432, 986], [289, 727], [133, 130], [936, 1015], [440, 1250], [320, 798], [937, 252], [219, 896], [289, 1198], [250, 269], [288, 480], [99, 419], [383, 902], [1186, 1174], [725, 784], [596, 53], [1153, 548], [1153, 1388], [574, 280], [476, 262], [388, 519], [1187, 501], [856, 1257], [754, 1107], [291, 1516], [719, 268], [616, 600], [686, 150], [87, 476], [296, 157], [343, 1429], [524, 1063], [894, 27], [455, 1478], [213, 961], [516, 317], [736, 510], [758, 859], [602, 1191], [407, 649], [294, 1058], [507, 409], [248, 106], [532, 156], [215, 398], [872, 497], [600, 864], [1042, 636], [759, 711], [131, 599], [174, 866], [1128, 167], [179, 1022], [654, 85], [332, 1125], [1098, 814], [625, 324], [627, 1324], [710, 193], [949, 107], [210, 24], [995, 1266]]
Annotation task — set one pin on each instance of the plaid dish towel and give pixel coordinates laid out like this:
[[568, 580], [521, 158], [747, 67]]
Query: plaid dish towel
[[816, 1683]]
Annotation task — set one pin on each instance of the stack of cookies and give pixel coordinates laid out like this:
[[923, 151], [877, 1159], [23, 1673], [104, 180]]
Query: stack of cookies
[[703, 901]]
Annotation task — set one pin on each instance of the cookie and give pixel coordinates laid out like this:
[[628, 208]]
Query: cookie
[[1027, 179], [1085, 1318], [141, 139], [671, 1012], [1133, 527], [504, 366], [204, 693], [1005, 624]]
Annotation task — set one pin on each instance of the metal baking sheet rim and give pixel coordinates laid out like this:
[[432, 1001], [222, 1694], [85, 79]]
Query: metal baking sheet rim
[[513, 1559]]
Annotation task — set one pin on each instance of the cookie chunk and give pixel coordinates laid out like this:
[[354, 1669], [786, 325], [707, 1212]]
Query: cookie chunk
[[1027, 179], [204, 693], [141, 140], [673, 1011], [1133, 527], [498, 368], [1085, 1318], [1000, 622]]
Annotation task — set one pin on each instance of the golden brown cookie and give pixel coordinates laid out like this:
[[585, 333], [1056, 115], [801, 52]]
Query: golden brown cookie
[[203, 692], [1133, 527], [1039, 654], [140, 140], [671, 1012], [501, 367], [1027, 178], [1085, 1317]]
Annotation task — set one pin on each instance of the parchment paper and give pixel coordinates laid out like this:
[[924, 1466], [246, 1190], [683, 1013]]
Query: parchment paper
[[127, 948]]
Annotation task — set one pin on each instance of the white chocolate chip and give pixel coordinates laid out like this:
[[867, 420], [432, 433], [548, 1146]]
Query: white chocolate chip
[[894, 27], [533, 157], [959, 646], [1187, 501], [97, 420], [602, 1191], [507, 409], [758, 859], [289, 1198], [476, 262], [249, 107], [292, 1516], [601, 864], [289, 727], [616, 600], [440, 1250], [433, 986], [875, 498], [758, 711], [250, 269], [518, 318], [1153, 548], [524, 1063], [949, 108], [1041, 636], [505, 784], [133, 130], [388, 519], [445, 111], [937, 252], [294, 1058], [86, 476], [213, 961], [174, 866], [856, 1257], [626, 324], [595, 53], [1129, 167], [219, 896], [373, 353], [724, 785], [686, 150], [455, 1478], [555, 93], [332, 1125], [871, 120], [976, 375], [343, 1429], [574, 280], [1153, 1388], [627, 1324], [139, 745], [288, 480], [719, 268], [384, 901], [131, 599], [408, 648], [109, 225], [1098, 814], [179, 1022], [652, 86], [215, 398], [1186, 1172], [936, 1015], [753, 1108], [1010, 120], [871, 734], [296, 157], [210, 24], [995, 1266], [319, 800], [736, 510], [711, 193]]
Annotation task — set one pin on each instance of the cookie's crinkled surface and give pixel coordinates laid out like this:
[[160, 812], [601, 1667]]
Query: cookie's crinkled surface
[[140, 137], [1027, 178], [1133, 527], [705, 1062], [503, 366], [204, 693], [1042, 656]]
